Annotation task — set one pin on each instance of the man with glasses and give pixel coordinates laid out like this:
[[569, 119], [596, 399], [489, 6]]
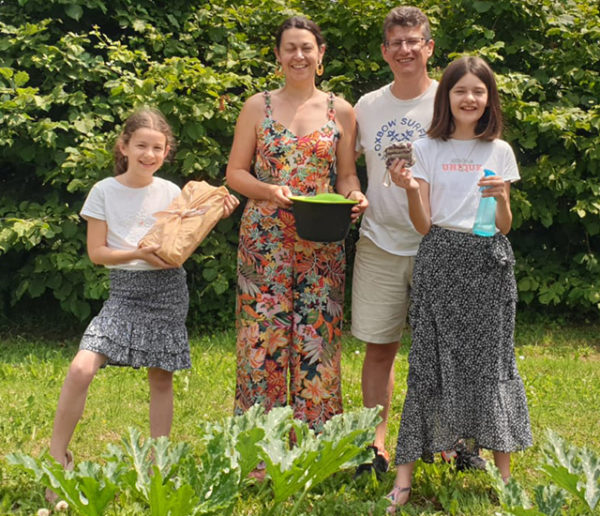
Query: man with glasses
[[398, 112]]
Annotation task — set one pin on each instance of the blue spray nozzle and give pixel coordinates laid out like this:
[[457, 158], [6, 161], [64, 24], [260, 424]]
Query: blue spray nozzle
[[487, 173]]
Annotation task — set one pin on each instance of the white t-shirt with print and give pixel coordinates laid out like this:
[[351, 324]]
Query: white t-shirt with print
[[453, 168], [384, 119], [128, 212]]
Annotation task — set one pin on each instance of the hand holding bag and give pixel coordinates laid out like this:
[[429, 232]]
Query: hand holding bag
[[181, 228]]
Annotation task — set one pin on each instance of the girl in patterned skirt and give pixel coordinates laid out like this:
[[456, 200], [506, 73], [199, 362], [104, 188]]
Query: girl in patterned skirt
[[290, 291], [463, 381], [142, 323]]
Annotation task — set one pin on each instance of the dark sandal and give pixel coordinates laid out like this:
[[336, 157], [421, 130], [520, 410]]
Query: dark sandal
[[380, 463], [394, 495], [466, 461], [467, 456]]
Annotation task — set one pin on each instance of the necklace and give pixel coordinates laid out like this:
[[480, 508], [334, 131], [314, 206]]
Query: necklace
[[462, 162]]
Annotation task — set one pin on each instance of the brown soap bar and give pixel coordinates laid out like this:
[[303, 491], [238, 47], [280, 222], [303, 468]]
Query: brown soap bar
[[402, 150]]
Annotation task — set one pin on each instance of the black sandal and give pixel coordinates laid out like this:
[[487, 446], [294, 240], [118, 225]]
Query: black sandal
[[467, 456], [380, 463]]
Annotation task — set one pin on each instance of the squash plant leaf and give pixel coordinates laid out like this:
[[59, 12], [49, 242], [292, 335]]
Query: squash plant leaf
[[559, 453], [550, 499], [315, 457], [168, 500], [87, 490], [137, 455], [590, 464], [215, 480], [563, 478], [511, 495]]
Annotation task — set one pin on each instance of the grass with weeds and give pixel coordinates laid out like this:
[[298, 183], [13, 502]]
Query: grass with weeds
[[560, 367]]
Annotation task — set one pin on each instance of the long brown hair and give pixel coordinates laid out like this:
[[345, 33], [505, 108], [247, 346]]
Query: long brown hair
[[148, 118], [489, 126]]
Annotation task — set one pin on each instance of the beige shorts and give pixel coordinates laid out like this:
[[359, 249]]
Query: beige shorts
[[380, 293]]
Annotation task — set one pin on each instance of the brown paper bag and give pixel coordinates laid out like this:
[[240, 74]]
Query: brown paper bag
[[180, 228]]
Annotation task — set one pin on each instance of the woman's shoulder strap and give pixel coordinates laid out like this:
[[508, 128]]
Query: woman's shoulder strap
[[331, 106], [268, 108]]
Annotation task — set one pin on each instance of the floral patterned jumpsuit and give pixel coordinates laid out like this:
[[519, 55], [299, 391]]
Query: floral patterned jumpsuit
[[290, 291]]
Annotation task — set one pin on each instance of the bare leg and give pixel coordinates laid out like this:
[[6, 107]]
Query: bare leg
[[72, 399], [161, 401], [502, 461], [404, 474], [378, 383]]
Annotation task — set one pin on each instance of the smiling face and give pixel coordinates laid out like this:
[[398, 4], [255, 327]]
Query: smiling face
[[299, 54], [468, 100], [146, 151], [406, 51]]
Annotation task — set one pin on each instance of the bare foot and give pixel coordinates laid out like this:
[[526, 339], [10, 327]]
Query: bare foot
[[68, 464], [398, 497], [259, 472]]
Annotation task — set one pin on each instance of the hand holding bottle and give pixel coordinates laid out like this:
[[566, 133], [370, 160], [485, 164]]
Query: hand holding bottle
[[492, 186], [485, 219]]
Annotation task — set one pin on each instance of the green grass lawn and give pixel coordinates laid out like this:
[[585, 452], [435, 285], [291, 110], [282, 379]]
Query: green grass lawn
[[560, 368]]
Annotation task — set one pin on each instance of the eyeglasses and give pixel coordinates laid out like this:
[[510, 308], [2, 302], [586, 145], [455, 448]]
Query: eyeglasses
[[411, 44]]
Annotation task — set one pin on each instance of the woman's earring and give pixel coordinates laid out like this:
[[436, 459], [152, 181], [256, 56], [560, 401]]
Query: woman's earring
[[320, 69], [279, 71]]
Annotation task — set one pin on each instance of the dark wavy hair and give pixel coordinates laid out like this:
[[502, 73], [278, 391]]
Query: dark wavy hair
[[148, 118], [490, 125], [299, 22]]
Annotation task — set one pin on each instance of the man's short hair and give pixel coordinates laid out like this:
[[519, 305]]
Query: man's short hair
[[406, 16]]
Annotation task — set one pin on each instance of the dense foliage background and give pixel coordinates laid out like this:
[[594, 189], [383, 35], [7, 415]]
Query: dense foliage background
[[71, 71]]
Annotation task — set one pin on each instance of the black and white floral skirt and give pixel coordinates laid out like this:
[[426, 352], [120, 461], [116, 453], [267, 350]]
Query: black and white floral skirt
[[142, 323], [463, 381]]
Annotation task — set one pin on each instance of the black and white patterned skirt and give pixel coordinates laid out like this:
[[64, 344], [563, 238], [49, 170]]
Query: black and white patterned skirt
[[142, 323], [463, 381]]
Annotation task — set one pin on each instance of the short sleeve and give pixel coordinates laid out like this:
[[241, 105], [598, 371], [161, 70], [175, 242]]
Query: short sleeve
[[420, 169], [358, 147], [94, 206], [174, 190], [510, 170]]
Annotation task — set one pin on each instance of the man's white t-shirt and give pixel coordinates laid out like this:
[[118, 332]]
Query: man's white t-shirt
[[128, 212], [453, 168], [383, 119]]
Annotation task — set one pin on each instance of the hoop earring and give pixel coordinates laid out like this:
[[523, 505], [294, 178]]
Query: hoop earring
[[320, 69], [279, 71]]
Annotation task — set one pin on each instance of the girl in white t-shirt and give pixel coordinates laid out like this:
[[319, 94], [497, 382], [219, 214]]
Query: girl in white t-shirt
[[142, 323], [463, 384]]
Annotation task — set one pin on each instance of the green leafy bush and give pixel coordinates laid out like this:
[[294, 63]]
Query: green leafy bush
[[71, 71]]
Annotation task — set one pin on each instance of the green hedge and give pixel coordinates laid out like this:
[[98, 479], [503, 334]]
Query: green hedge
[[70, 71]]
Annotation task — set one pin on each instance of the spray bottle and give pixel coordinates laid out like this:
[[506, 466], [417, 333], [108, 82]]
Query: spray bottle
[[485, 220]]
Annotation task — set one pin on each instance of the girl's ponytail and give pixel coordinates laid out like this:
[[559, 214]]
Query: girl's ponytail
[[120, 158]]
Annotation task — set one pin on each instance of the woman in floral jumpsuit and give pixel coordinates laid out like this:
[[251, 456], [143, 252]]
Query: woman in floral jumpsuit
[[290, 290]]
